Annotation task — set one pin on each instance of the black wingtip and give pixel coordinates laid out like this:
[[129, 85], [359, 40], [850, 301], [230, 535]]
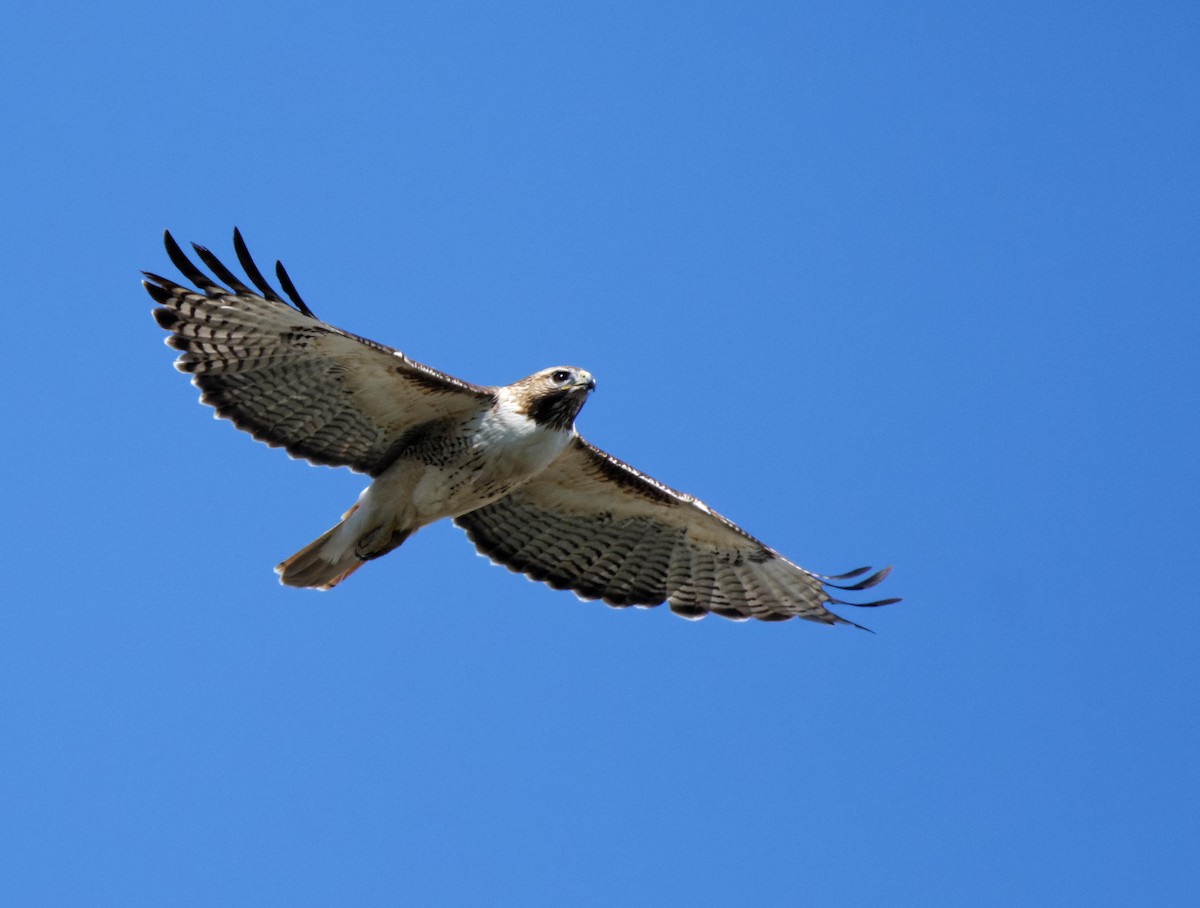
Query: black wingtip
[[178, 259], [231, 280], [849, 575], [876, 604], [158, 294], [864, 584], [166, 318], [186, 267], [290, 289], [841, 620], [251, 269], [874, 580]]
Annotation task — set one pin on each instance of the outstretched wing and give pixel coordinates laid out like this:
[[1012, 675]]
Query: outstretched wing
[[592, 524], [289, 379]]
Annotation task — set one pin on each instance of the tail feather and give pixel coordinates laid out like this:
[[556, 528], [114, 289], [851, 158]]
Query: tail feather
[[323, 563], [310, 568]]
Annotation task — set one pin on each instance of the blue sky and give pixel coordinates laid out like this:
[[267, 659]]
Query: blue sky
[[885, 283]]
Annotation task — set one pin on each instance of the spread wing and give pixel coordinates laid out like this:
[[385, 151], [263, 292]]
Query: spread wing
[[592, 524], [289, 379]]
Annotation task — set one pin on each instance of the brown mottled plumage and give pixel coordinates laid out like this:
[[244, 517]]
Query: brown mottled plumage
[[504, 463]]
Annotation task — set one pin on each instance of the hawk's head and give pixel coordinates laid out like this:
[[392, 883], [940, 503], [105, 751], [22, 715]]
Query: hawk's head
[[553, 396]]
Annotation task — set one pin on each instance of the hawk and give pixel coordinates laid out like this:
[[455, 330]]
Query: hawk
[[505, 463]]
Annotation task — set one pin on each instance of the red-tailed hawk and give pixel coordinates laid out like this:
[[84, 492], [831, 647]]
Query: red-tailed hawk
[[504, 463]]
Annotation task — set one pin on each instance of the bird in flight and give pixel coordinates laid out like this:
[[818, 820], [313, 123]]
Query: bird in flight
[[504, 462]]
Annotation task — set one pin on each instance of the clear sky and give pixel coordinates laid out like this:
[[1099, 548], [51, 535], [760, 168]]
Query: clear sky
[[883, 282]]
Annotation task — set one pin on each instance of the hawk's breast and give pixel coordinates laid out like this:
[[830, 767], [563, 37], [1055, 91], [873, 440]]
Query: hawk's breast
[[496, 452]]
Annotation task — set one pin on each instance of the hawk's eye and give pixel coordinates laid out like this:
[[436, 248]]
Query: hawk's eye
[[560, 376]]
